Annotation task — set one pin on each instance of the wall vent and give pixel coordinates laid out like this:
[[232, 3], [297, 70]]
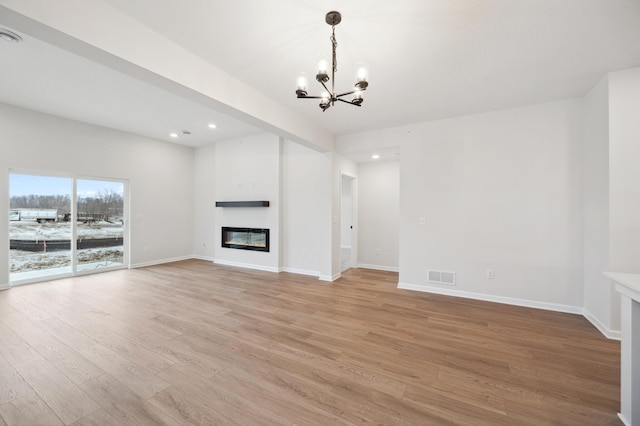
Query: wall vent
[[441, 277]]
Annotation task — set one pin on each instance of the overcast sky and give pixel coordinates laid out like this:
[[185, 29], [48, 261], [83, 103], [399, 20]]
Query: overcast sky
[[20, 184]]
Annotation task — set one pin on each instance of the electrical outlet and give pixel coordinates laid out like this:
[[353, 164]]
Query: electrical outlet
[[146, 249], [490, 274], [377, 252], [422, 220]]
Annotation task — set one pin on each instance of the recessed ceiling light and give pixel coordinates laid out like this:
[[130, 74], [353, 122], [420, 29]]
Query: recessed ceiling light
[[375, 156], [9, 36], [173, 135], [212, 126]]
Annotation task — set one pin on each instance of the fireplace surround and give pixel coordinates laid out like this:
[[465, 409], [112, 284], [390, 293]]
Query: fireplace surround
[[255, 239]]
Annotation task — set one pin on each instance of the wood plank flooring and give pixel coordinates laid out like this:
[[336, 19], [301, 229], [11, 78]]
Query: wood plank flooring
[[196, 343]]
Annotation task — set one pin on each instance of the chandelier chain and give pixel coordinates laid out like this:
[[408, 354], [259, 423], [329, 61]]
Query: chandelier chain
[[334, 42]]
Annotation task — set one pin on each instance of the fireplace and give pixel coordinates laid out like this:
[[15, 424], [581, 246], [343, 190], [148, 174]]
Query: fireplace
[[255, 239]]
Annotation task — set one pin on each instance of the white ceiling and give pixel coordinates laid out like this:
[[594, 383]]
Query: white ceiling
[[428, 59], [39, 76]]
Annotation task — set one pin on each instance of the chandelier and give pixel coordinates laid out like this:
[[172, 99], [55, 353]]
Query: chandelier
[[329, 96]]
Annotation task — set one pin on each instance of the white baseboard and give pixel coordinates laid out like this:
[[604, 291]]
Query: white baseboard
[[379, 267], [159, 262], [300, 271], [237, 265], [491, 298], [608, 333], [247, 265], [330, 278], [4, 287], [207, 258], [624, 421]]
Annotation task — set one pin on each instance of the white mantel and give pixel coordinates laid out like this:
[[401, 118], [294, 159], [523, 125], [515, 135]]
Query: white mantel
[[628, 285]]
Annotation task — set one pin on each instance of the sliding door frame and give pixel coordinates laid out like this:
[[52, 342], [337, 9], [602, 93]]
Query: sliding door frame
[[126, 232]]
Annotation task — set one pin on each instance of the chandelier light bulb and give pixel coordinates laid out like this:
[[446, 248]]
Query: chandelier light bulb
[[301, 91], [357, 98], [323, 75], [324, 101], [363, 72], [323, 66]]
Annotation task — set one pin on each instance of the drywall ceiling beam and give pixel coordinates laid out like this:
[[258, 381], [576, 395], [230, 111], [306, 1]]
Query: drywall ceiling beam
[[103, 34]]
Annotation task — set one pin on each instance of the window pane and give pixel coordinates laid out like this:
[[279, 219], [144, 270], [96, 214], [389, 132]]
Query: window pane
[[100, 229], [40, 239]]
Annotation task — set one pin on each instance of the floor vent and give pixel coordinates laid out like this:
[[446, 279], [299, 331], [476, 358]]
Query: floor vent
[[441, 277]]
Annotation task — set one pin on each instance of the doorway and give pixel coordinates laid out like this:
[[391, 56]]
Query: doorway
[[348, 242], [63, 226]]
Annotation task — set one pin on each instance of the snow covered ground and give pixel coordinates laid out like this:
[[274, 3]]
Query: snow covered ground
[[32, 230], [24, 261]]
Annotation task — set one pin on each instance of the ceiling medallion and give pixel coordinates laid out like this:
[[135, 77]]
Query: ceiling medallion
[[329, 96]]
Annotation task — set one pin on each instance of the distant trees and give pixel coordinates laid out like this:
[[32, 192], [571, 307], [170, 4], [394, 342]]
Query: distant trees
[[106, 202], [60, 202]]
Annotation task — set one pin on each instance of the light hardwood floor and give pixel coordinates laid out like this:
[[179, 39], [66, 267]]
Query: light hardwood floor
[[195, 343]]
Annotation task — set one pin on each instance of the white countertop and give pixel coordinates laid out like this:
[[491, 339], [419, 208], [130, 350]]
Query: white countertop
[[628, 284]]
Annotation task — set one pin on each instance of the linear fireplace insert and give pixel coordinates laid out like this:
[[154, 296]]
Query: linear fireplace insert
[[255, 239]]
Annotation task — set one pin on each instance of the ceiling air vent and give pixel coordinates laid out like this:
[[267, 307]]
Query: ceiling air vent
[[441, 277]]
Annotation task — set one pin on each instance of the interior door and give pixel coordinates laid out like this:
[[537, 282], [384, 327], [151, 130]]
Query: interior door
[[347, 219]]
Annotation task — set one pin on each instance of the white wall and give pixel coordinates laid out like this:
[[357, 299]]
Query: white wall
[[248, 169], [599, 295], [204, 205], [160, 176], [379, 214], [306, 210], [500, 191], [624, 170], [624, 179]]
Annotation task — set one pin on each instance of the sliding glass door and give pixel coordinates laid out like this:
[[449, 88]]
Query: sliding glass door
[[100, 224], [62, 226], [39, 237]]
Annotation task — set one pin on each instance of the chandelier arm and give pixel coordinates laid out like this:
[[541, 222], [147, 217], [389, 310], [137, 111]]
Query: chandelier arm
[[347, 102], [346, 93], [310, 97], [327, 89]]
